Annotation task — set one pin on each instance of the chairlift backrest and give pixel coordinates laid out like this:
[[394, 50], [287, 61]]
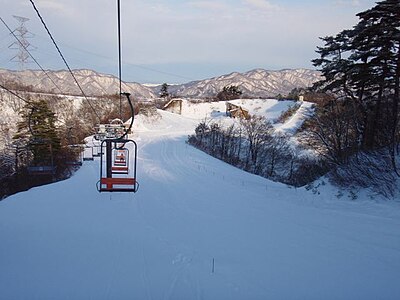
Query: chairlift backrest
[[75, 155]]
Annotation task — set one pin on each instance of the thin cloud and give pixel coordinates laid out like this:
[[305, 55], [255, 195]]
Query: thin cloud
[[348, 3], [262, 4], [208, 5], [51, 5]]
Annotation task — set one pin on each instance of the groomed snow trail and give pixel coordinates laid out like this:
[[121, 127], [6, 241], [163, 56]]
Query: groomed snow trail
[[67, 241]]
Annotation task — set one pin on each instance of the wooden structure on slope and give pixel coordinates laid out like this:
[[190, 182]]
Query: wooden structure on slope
[[236, 111], [174, 106]]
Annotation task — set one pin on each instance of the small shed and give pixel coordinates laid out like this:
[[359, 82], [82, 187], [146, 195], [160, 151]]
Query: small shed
[[174, 106], [236, 111]]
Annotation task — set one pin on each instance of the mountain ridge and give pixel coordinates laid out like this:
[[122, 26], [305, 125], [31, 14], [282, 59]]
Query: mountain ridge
[[254, 83], [92, 82]]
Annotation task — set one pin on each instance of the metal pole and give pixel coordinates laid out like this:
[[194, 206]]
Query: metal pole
[[108, 159], [119, 58]]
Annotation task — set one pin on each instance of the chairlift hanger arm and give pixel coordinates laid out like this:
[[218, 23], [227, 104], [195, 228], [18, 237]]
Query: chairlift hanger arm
[[132, 115]]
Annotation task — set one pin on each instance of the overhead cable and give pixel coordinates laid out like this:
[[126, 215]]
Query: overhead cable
[[15, 94], [62, 57], [119, 58], [26, 49]]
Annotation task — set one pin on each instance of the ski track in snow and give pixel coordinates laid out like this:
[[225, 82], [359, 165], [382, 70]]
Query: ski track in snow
[[67, 241], [114, 265], [145, 276]]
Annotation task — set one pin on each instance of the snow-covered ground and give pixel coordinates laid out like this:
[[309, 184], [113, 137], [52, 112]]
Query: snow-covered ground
[[269, 108], [294, 122], [267, 241]]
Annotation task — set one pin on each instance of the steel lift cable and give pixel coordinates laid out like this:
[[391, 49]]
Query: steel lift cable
[[119, 57], [15, 94], [62, 57]]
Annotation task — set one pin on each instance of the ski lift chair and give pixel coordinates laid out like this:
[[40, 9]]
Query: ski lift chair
[[96, 147], [115, 129], [75, 155], [117, 178], [44, 165], [101, 132], [118, 125], [88, 153], [121, 161], [121, 157]]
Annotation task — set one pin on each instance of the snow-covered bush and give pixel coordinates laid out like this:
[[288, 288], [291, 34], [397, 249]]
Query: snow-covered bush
[[285, 115], [368, 170], [253, 146]]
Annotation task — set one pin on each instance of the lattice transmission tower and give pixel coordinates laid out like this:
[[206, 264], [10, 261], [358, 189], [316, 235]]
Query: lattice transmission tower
[[22, 45]]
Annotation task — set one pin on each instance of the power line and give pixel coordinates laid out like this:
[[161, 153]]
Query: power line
[[30, 54], [62, 57], [15, 94], [127, 62]]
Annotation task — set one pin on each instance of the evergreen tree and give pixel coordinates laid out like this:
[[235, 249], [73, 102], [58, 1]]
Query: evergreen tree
[[164, 90], [361, 67], [229, 93], [38, 132]]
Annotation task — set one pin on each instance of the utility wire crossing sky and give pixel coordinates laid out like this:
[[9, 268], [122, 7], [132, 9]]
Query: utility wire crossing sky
[[178, 41]]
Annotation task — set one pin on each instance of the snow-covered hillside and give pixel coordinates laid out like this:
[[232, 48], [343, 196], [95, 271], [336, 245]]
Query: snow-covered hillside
[[254, 83], [197, 229], [9, 117], [92, 83], [271, 109]]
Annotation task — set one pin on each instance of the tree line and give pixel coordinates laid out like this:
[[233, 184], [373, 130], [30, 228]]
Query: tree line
[[252, 145]]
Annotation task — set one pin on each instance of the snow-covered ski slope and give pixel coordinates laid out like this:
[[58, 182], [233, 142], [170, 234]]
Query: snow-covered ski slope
[[267, 241]]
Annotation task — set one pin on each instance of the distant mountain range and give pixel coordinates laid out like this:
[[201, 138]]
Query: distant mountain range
[[61, 82], [254, 83]]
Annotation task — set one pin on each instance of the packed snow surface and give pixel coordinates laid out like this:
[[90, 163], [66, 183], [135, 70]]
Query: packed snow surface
[[269, 108], [196, 229]]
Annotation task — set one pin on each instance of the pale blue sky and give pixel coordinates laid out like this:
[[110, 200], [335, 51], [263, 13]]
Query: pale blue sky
[[178, 41]]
